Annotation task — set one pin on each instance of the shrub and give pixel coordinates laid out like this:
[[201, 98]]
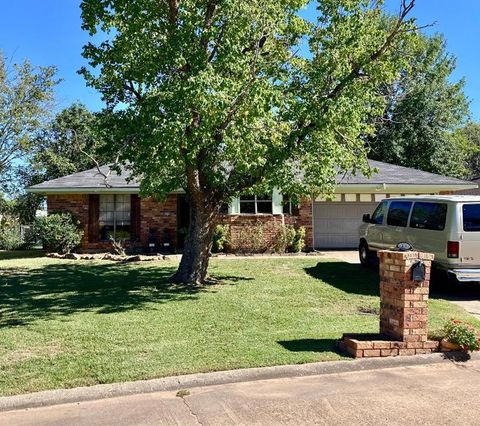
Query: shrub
[[284, 238], [220, 238], [462, 334], [298, 243], [59, 232], [250, 239], [10, 238]]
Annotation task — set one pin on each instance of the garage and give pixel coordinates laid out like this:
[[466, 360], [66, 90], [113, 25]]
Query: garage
[[335, 224]]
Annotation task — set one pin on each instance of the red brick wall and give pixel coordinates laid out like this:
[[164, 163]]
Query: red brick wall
[[164, 215], [305, 219], [158, 216], [237, 223], [152, 215]]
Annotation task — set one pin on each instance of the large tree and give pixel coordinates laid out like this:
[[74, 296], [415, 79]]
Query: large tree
[[220, 97], [424, 110], [26, 95]]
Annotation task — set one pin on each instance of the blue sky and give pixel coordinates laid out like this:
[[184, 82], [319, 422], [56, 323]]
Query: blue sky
[[48, 32]]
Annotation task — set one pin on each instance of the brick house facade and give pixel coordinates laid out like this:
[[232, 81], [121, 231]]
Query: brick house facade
[[162, 217]]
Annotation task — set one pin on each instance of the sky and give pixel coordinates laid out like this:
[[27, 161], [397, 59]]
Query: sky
[[48, 32]]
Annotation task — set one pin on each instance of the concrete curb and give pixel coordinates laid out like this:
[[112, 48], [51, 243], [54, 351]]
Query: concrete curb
[[90, 393]]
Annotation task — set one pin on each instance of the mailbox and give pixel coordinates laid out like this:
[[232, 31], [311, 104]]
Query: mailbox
[[418, 271]]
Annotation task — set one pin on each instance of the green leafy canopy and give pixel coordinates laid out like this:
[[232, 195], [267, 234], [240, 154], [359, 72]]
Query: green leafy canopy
[[224, 96], [425, 109], [26, 94]]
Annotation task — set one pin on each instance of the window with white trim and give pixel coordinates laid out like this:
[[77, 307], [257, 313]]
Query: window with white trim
[[256, 204], [114, 216]]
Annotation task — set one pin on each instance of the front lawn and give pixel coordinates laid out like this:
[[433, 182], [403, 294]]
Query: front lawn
[[73, 323]]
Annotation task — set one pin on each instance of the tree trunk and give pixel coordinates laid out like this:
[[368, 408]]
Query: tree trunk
[[198, 242]]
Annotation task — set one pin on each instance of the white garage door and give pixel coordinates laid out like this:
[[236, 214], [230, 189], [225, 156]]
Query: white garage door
[[336, 224]]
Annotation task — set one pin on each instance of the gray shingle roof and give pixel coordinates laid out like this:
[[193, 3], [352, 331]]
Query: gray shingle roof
[[91, 179], [387, 174], [392, 174]]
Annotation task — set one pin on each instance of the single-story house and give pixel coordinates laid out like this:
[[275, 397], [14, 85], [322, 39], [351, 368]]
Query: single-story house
[[113, 206]]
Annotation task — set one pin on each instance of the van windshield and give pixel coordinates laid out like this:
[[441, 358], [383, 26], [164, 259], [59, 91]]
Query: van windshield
[[471, 217]]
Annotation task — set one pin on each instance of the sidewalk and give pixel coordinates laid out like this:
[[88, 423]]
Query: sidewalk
[[428, 394]]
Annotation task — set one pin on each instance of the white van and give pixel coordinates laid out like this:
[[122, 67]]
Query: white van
[[447, 226]]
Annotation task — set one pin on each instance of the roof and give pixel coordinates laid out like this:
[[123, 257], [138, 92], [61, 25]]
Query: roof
[[389, 176], [392, 174], [93, 180]]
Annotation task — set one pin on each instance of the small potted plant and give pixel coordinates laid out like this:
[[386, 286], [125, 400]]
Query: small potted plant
[[460, 336]]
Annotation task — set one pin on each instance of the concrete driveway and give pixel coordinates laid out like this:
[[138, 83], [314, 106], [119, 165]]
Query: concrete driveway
[[434, 394], [349, 256]]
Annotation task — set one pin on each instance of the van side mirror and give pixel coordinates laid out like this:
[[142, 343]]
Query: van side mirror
[[366, 218]]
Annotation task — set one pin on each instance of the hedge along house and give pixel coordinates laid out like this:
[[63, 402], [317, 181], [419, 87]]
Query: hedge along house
[[112, 207]]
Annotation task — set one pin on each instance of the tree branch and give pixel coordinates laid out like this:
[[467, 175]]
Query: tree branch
[[129, 87], [173, 11], [94, 160], [209, 18]]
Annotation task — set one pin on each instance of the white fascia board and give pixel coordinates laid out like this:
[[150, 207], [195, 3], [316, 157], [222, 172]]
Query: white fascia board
[[399, 188]]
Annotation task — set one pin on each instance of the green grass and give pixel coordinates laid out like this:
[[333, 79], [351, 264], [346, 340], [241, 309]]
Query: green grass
[[74, 323]]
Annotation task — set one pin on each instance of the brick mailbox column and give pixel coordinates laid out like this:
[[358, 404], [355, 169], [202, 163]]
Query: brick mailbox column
[[403, 302], [403, 310]]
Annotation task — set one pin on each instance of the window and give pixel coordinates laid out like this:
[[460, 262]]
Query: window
[[398, 213], [379, 213], [114, 217], [289, 207], [429, 216], [471, 217], [256, 204]]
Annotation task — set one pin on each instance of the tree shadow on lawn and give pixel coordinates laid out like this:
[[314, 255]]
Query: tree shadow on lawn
[[348, 277], [28, 295], [310, 345]]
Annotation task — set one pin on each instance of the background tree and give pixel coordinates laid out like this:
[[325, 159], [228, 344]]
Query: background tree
[[424, 109], [26, 94], [70, 143], [470, 134], [213, 96]]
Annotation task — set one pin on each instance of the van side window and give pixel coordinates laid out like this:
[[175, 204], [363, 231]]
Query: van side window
[[398, 213], [379, 213], [429, 216], [471, 217]]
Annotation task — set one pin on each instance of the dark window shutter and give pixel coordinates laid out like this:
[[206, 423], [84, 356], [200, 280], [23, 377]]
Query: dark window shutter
[[135, 218], [93, 216], [295, 210]]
